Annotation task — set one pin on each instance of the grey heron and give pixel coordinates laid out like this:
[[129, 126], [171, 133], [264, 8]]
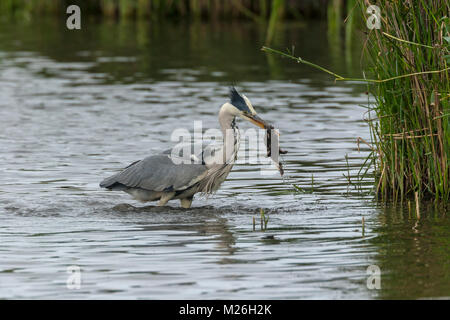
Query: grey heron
[[159, 177]]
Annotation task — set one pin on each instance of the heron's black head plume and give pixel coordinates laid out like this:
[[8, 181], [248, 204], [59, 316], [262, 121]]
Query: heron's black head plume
[[237, 100]]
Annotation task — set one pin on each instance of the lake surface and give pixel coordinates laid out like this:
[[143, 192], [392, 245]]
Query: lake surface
[[77, 106]]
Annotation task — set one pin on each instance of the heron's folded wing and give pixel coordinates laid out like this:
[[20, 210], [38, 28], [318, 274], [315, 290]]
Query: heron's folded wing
[[160, 173], [196, 152]]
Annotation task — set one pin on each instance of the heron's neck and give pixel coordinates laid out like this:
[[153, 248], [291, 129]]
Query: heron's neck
[[230, 134]]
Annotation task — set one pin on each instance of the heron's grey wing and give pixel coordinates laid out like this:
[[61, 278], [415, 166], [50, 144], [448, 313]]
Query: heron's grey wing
[[187, 148], [197, 152], [158, 173]]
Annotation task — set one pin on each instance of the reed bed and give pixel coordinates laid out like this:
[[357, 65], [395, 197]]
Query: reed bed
[[411, 130]]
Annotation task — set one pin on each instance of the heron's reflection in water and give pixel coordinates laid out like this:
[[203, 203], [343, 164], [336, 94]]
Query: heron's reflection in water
[[204, 224]]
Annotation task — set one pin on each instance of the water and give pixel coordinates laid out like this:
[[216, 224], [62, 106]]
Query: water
[[77, 106]]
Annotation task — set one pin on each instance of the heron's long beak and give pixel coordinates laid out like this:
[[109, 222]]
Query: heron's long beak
[[255, 119]]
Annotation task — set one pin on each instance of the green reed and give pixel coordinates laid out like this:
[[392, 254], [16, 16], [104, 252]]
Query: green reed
[[264, 220]]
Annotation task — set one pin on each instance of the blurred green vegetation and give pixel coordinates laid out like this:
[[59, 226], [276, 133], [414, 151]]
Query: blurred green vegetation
[[228, 48], [258, 10], [268, 13], [269, 17]]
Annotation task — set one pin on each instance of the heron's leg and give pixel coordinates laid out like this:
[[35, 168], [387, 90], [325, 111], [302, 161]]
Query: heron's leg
[[165, 197], [186, 202]]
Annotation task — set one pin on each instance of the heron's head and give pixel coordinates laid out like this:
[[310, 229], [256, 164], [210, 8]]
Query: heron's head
[[242, 107]]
